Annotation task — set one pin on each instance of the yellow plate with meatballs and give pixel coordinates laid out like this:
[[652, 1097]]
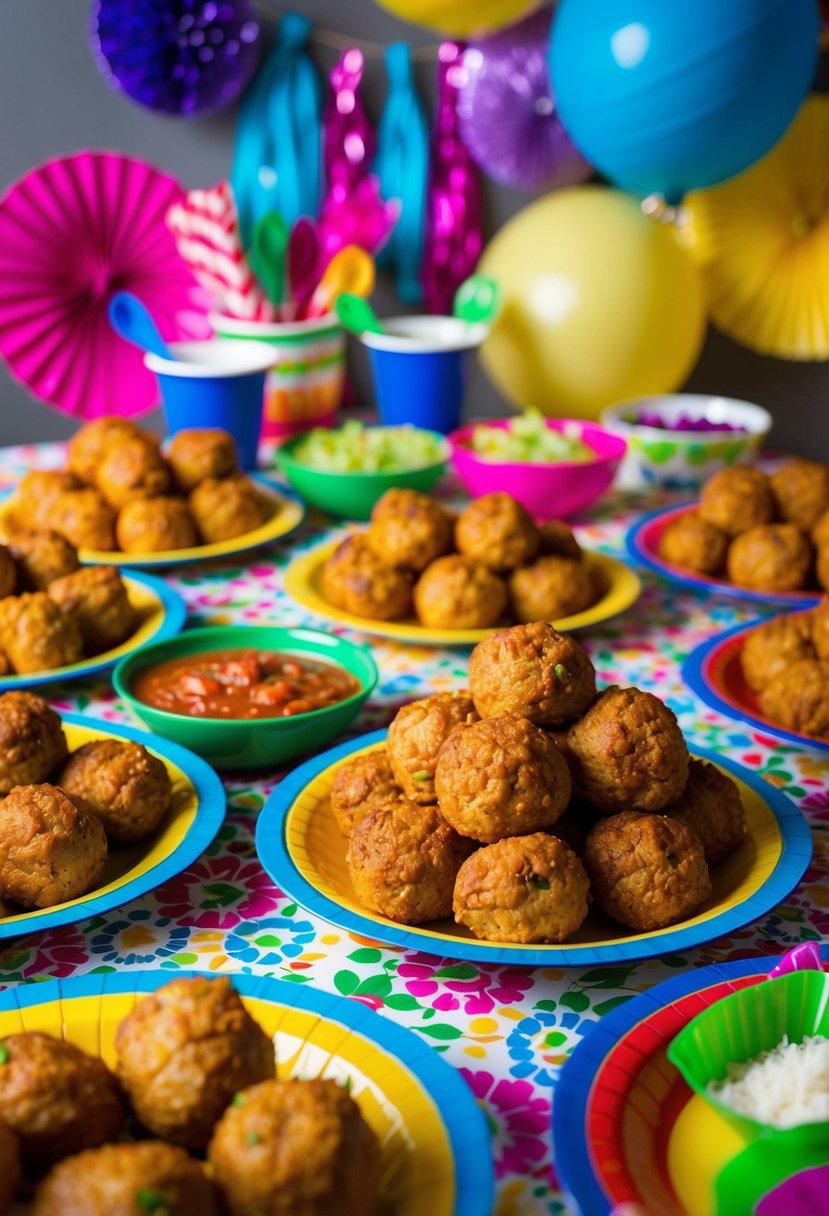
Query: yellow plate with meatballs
[[303, 582], [434, 1146], [159, 614], [301, 847], [137, 859]]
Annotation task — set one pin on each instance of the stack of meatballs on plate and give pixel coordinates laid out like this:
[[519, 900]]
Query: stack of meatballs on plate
[[765, 533], [472, 572], [119, 491], [515, 804], [198, 1073], [52, 613], [62, 812], [785, 662]]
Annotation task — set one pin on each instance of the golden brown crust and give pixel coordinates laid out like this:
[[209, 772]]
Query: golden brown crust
[[42, 557], [362, 783], [691, 543], [226, 509], [773, 645], [409, 530], [737, 499], [37, 494], [32, 742], [154, 525], [416, 735], [801, 492], [496, 531], [96, 597], [772, 557], [127, 788], [36, 635], [711, 807], [8, 573], [354, 579], [797, 697], [88, 446], [85, 519], [52, 848], [551, 588], [455, 592], [196, 455], [534, 672], [132, 469], [820, 629], [557, 539]]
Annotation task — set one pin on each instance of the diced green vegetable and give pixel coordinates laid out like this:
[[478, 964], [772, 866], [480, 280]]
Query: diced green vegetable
[[355, 448], [527, 439]]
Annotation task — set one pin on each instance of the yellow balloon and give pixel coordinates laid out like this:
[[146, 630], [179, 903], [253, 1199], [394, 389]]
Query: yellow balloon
[[599, 304], [461, 18]]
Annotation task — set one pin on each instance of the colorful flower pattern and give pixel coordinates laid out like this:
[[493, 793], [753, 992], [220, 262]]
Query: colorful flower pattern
[[509, 1030]]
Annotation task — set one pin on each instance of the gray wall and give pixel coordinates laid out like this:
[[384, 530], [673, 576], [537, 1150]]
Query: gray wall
[[54, 102]]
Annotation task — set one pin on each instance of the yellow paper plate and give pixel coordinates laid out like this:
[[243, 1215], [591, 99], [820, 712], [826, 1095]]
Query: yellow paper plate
[[303, 583], [161, 615], [301, 847], [436, 1151], [287, 514], [195, 816]]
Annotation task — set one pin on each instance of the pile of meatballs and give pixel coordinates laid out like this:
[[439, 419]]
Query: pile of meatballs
[[119, 491], [517, 803], [470, 572], [766, 533], [53, 613], [198, 1073], [60, 812], [785, 662]]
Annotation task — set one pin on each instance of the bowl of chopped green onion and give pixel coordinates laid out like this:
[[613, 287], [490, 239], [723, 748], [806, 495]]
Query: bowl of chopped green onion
[[555, 467], [345, 471]]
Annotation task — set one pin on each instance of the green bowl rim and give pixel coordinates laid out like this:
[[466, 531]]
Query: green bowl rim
[[141, 658], [284, 457]]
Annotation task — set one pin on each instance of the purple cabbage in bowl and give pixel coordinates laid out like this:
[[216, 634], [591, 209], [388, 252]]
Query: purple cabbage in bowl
[[684, 422]]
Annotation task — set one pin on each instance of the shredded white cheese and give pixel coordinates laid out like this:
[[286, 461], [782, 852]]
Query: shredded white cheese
[[784, 1087]]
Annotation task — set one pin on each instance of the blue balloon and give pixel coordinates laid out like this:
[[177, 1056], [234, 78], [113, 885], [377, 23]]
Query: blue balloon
[[665, 96]]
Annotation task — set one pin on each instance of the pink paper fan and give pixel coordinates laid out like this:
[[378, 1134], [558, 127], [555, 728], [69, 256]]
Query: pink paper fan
[[73, 232]]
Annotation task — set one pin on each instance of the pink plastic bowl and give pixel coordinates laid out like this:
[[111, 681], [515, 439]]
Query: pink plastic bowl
[[548, 491]]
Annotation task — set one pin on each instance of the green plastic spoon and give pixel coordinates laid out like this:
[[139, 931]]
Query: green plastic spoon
[[477, 299], [357, 315], [267, 255]]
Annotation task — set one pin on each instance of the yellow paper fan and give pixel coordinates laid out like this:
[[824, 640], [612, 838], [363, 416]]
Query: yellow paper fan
[[762, 243]]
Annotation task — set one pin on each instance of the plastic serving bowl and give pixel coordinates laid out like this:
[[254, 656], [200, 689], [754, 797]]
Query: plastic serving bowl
[[251, 743], [548, 490], [685, 459], [352, 495]]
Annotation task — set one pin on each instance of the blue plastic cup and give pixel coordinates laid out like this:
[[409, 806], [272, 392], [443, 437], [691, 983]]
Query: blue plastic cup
[[420, 367], [218, 384]]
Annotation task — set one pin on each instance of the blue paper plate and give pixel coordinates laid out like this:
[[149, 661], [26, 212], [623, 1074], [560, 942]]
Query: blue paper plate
[[300, 846], [195, 816], [162, 612], [436, 1145]]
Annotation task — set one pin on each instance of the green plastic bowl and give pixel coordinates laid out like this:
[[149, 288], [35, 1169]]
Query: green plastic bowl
[[251, 743], [352, 495]]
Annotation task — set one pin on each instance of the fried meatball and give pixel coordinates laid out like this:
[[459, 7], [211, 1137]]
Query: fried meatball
[[773, 645], [362, 783], [56, 1098], [522, 889], [550, 589], [822, 568], [32, 742], [127, 788], [9, 1167], [88, 446], [820, 531], [147, 1179], [132, 469], [354, 579], [496, 531], [797, 697], [201, 455], [409, 530], [416, 736], [801, 492], [224, 509], [737, 499], [8, 573], [772, 557], [155, 525], [711, 807], [457, 593], [85, 519], [534, 672], [42, 557], [296, 1148], [646, 871], [184, 1052], [820, 629], [628, 753], [557, 539], [36, 635], [96, 597], [37, 494], [691, 543], [403, 860], [52, 847], [501, 777]]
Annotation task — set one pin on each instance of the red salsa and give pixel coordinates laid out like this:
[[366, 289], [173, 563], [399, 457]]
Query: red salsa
[[243, 684]]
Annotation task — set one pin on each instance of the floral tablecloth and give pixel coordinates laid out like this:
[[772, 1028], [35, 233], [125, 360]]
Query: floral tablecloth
[[508, 1030]]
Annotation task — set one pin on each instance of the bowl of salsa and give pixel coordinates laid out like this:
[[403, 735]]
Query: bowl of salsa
[[248, 696]]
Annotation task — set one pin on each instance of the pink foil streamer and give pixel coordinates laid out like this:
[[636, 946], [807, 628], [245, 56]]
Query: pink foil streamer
[[454, 207]]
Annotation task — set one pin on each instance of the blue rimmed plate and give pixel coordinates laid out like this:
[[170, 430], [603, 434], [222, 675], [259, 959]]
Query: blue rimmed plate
[[195, 816], [642, 543], [300, 846], [161, 614], [437, 1155]]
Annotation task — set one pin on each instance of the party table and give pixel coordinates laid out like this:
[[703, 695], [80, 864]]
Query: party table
[[508, 1030]]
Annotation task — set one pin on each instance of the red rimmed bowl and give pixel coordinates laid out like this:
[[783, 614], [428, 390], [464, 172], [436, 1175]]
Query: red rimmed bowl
[[548, 490]]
